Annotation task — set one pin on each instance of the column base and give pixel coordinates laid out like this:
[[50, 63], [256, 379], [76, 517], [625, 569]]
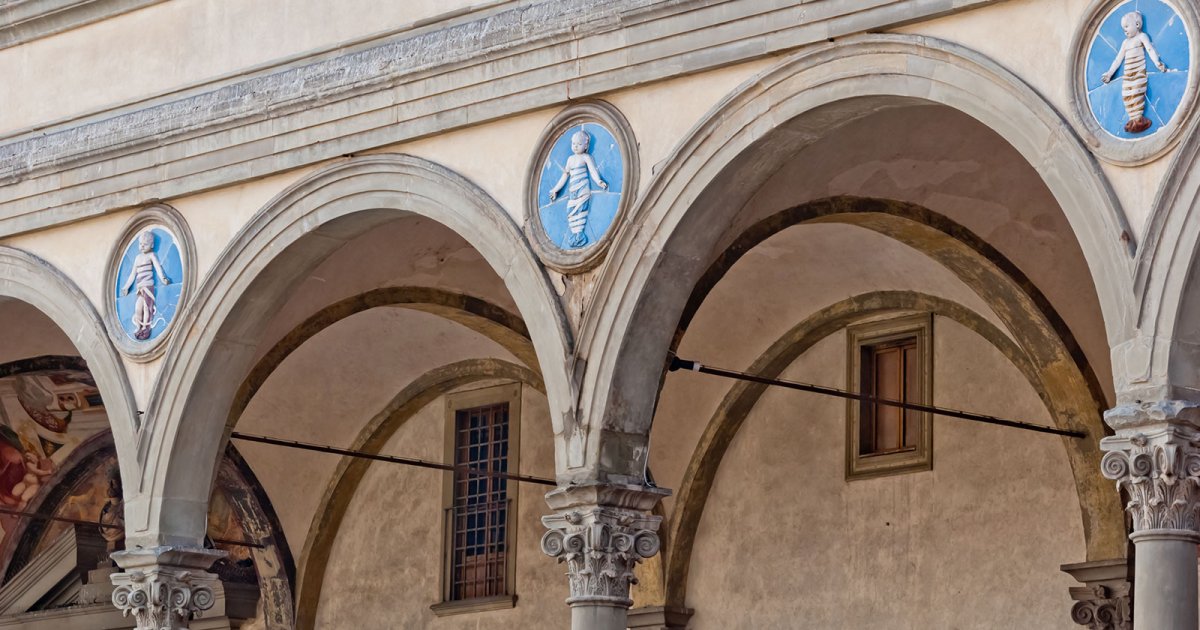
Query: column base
[[659, 618]]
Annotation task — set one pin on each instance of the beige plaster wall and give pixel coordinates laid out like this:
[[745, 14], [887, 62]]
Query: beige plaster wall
[[26, 333], [772, 288], [785, 541], [329, 388], [1032, 38], [944, 160], [385, 566], [179, 43]]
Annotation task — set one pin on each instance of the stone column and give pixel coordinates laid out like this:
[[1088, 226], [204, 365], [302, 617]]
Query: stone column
[[601, 532], [164, 588], [1155, 459]]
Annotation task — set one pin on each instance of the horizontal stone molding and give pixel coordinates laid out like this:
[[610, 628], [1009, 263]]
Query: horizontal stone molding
[[470, 69], [24, 21]]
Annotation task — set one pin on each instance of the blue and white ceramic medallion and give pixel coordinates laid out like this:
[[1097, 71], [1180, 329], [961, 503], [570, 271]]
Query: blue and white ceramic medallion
[[1138, 68], [580, 178], [149, 283], [580, 187]]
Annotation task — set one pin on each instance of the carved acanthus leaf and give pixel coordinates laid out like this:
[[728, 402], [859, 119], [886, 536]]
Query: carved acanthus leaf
[[601, 546]]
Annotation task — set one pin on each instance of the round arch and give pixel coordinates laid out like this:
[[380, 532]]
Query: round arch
[[304, 224], [674, 229], [30, 279]]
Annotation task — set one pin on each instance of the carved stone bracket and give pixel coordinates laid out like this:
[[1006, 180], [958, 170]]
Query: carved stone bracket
[[1105, 601], [164, 588], [1155, 459], [601, 533]]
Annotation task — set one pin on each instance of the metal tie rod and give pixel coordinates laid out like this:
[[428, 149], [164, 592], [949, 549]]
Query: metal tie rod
[[419, 463], [695, 366]]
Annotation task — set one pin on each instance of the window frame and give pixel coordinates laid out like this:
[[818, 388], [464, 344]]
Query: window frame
[[510, 394], [882, 333]]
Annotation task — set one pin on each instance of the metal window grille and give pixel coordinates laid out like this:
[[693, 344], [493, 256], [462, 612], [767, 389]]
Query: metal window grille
[[479, 513]]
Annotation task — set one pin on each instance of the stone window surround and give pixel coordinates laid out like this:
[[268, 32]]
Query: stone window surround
[[493, 394], [869, 466]]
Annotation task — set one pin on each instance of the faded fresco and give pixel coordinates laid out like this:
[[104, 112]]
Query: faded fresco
[[95, 495], [48, 406]]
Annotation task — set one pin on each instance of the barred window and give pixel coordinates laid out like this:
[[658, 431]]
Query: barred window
[[480, 510], [483, 433]]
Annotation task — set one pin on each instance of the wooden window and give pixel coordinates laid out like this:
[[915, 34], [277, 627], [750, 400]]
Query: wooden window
[[890, 360], [481, 434]]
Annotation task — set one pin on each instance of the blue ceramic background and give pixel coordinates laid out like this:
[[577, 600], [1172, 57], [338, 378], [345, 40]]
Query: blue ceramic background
[[604, 203], [1164, 91], [166, 297]]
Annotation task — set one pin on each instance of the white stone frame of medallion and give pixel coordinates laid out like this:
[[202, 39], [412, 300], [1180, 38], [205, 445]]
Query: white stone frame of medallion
[[587, 258], [163, 215], [1137, 151]]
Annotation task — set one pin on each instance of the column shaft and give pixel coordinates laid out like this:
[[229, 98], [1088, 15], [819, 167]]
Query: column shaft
[[1165, 590]]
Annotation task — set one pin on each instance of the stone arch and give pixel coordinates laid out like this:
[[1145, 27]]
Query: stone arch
[[674, 229], [742, 397], [206, 363], [1160, 360], [339, 493], [30, 279]]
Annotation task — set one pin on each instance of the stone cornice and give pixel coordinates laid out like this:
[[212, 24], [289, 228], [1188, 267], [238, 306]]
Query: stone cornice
[[23, 21], [483, 66]]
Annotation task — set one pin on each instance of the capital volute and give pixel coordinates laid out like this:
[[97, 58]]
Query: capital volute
[[602, 543], [164, 588], [1155, 458]]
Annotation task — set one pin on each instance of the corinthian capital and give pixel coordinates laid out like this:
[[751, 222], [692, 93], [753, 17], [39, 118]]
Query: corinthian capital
[[602, 533], [164, 588], [1155, 459]]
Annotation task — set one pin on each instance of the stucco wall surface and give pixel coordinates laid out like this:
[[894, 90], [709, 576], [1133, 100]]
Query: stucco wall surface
[[333, 385], [385, 566], [771, 289], [26, 333], [946, 161], [975, 542]]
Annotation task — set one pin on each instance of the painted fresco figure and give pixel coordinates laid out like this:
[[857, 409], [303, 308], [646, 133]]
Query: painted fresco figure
[[145, 267], [1133, 53], [579, 193]]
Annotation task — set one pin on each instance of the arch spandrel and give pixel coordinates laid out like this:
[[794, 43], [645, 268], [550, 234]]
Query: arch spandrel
[[681, 217], [286, 240]]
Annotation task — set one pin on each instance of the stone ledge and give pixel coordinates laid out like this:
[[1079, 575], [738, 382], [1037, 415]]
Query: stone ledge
[[479, 604], [413, 85], [27, 20]]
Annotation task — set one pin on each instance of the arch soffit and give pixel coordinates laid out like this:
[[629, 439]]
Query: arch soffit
[[491, 321], [285, 240], [1103, 521], [667, 242], [30, 279], [346, 478]]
